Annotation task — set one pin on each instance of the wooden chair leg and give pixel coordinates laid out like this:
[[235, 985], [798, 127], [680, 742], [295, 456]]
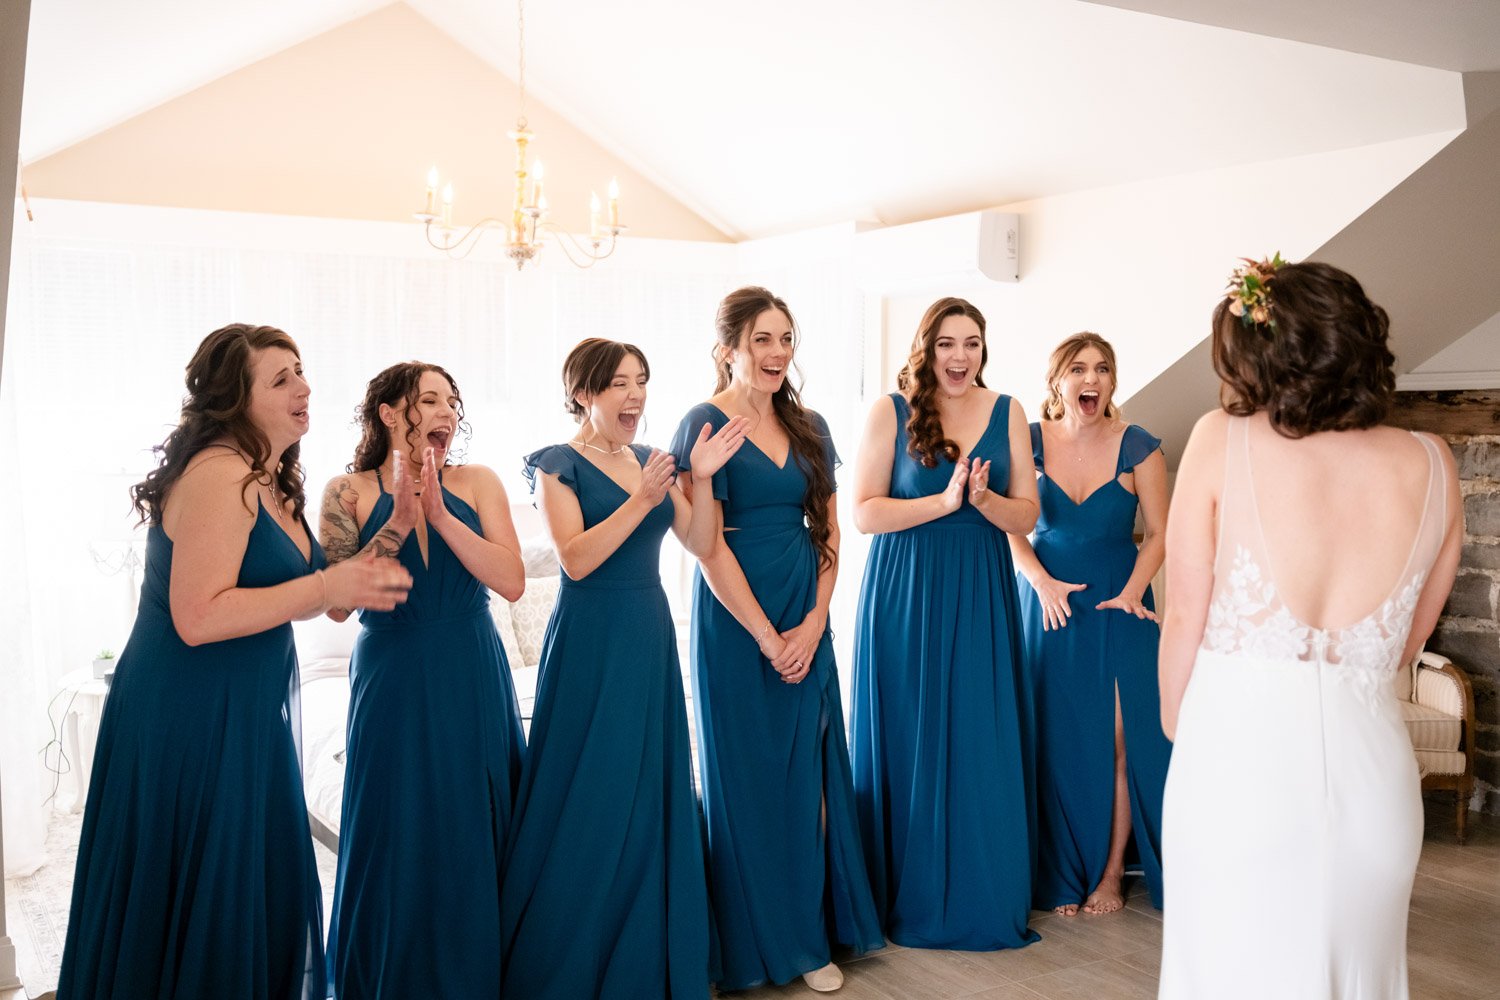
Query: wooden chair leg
[[1463, 814]]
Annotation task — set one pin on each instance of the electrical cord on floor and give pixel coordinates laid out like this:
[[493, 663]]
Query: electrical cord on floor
[[60, 764]]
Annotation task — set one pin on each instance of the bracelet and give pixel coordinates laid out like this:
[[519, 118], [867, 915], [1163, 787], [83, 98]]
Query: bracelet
[[323, 579], [762, 633]]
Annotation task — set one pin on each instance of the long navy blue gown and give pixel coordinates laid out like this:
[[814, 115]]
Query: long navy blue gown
[[783, 884], [605, 893], [1075, 671], [434, 755], [195, 873], [941, 716]]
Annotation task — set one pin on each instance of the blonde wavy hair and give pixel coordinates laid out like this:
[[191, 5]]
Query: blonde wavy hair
[[1062, 357]]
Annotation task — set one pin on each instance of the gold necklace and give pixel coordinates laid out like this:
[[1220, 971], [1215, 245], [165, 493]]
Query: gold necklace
[[603, 451]]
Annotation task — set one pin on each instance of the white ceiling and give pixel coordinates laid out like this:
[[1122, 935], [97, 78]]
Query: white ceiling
[[788, 114]]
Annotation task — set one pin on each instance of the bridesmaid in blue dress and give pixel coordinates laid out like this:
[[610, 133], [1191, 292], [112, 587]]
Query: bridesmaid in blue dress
[[195, 873], [787, 873], [941, 715], [604, 894], [1101, 754], [434, 746]]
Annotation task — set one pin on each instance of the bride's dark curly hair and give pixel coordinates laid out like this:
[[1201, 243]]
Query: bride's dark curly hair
[[1322, 363], [732, 325], [218, 397], [398, 387], [919, 384]]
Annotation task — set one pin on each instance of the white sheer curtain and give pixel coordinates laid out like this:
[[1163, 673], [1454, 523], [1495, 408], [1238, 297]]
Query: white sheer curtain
[[104, 323]]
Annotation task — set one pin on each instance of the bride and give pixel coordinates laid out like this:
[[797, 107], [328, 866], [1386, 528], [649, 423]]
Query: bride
[[1309, 552]]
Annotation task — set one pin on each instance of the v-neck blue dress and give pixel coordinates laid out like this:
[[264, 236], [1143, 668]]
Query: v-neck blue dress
[[604, 895], [1075, 671], [783, 883], [941, 716], [195, 874], [434, 754]]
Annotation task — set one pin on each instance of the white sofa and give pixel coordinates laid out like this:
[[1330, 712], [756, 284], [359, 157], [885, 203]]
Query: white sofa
[[324, 646]]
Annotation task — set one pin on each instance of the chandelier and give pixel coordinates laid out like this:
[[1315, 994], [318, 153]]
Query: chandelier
[[527, 223]]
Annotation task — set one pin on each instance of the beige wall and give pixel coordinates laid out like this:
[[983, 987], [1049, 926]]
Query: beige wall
[[346, 125]]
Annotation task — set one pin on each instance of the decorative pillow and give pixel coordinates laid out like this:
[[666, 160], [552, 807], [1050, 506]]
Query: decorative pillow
[[531, 614], [539, 558], [500, 610], [323, 638]]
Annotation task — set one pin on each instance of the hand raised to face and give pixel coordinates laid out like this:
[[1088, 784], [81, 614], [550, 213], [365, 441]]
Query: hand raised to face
[[710, 454]]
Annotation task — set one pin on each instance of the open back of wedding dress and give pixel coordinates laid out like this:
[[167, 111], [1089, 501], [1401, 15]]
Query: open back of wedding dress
[[1293, 816]]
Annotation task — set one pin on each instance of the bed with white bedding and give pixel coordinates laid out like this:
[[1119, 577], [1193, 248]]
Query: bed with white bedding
[[323, 648]]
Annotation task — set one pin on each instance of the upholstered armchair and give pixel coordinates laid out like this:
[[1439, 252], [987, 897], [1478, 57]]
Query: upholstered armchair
[[1437, 704]]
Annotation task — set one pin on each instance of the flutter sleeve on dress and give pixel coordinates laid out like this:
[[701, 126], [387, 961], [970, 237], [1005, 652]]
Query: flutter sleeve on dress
[[556, 460], [830, 453], [1137, 445], [687, 434]]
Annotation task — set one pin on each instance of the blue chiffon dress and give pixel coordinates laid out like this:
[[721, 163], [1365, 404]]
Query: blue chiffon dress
[[604, 893], [1075, 673], [783, 884], [941, 717], [196, 875], [434, 754]]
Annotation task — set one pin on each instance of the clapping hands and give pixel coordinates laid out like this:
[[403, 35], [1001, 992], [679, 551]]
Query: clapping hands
[[657, 476], [404, 496], [953, 494], [433, 508]]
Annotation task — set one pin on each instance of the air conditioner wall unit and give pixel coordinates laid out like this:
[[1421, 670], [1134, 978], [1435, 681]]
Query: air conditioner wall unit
[[977, 247]]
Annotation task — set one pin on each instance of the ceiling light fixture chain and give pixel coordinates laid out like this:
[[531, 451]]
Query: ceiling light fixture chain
[[521, 59], [528, 223]]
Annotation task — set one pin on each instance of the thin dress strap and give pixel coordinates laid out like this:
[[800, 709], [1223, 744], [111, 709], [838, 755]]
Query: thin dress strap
[[1248, 615]]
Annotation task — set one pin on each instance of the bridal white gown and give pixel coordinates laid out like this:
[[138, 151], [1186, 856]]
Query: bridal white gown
[[1292, 819]]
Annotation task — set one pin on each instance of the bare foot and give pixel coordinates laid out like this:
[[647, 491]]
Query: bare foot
[[1106, 897], [1066, 910]]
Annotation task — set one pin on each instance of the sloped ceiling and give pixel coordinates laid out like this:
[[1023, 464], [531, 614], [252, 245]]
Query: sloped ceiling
[[1460, 35], [787, 115]]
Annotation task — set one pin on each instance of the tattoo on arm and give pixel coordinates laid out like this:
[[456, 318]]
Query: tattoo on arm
[[340, 530], [385, 543]]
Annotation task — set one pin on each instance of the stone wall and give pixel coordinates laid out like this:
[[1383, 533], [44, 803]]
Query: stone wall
[[1468, 633]]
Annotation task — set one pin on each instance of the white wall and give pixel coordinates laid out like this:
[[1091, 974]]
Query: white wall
[[1144, 264]]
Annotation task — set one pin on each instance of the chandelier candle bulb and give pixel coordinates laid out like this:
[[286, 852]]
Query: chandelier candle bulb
[[432, 183], [527, 225]]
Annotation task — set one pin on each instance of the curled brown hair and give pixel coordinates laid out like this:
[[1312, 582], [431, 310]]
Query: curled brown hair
[[919, 384], [398, 386], [734, 322], [1322, 362], [218, 383], [1062, 357], [590, 367]]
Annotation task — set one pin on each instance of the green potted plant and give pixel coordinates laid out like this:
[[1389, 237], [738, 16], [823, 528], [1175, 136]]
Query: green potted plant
[[104, 662]]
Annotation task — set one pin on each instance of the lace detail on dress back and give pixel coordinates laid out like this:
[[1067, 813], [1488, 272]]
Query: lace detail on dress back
[[1247, 615]]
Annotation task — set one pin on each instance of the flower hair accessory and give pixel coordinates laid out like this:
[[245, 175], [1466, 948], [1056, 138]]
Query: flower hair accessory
[[1249, 291]]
